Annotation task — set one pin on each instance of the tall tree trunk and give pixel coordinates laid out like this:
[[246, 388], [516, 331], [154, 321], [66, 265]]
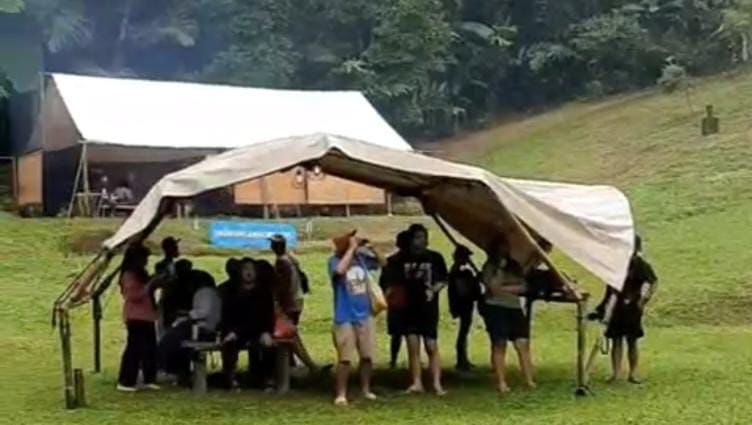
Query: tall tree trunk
[[118, 57], [745, 48]]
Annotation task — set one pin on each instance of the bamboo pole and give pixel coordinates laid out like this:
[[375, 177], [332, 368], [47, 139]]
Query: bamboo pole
[[96, 313], [582, 379], [451, 237], [65, 343], [87, 189], [75, 183]]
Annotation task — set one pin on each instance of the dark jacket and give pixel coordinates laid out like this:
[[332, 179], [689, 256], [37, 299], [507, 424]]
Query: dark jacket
[[246, 312], [464, 289]]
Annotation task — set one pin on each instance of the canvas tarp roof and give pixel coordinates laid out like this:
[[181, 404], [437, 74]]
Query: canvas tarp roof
[[191, 115], [591, 224]]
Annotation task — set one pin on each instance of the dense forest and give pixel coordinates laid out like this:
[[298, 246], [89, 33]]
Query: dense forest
[[430, 66]]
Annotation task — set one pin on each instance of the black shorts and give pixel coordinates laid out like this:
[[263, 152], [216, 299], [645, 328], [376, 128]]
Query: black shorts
[[395, 322], [626, 322], [505, 324], [422, 322]]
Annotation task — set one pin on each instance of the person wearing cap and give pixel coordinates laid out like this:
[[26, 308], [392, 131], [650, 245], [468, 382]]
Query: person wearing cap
[[391, 283], [464, 291], [349, 269], [139, 315], [289, 293]]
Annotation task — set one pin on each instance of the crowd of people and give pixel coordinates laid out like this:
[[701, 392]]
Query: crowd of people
[[178, 303]]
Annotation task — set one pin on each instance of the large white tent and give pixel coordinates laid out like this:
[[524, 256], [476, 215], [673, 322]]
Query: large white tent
[[591, 224], [108, 125], [174, 114]]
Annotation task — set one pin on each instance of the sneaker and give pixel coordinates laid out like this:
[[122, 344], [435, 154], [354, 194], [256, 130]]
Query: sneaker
[[126, 389], [370, 396], [340, 401], [152, 387]]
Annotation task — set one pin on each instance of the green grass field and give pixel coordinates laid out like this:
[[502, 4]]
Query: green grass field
[[691, 198]]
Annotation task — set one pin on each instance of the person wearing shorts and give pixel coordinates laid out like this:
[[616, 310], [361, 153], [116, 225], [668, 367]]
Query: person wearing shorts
[[625, 323], [392, 285], [502, 310], [353, 324], [424, 276]]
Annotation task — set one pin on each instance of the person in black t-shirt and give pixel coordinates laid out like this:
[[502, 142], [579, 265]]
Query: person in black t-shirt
[[394, 289], [424, 275], [626, 318], [464, 291]]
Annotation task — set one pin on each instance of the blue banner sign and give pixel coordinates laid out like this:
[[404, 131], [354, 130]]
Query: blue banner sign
[[246, 234]]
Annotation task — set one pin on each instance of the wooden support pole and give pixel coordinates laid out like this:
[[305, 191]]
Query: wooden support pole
[[76, 180], [96, 314], [80, 388], [389, 207], [199, 372], [86, 183], [65, 344], [282, 367], [451, 237], [582, 378]]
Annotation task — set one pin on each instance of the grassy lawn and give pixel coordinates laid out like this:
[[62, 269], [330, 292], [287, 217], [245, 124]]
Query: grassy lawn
[[691, 198]]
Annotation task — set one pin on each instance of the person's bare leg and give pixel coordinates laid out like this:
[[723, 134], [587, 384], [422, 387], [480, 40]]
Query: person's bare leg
[[413, 350], [617, 353], [522, 346], [633, 355], [498, 361], [434, 359], [343, 372], [366, 371]]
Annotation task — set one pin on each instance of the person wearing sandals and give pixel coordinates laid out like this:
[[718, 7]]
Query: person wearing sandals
[[425, 275], [353, 325], [502, 310], [626, 318]]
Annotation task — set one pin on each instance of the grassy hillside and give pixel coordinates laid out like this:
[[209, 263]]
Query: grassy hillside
[[691, 195]]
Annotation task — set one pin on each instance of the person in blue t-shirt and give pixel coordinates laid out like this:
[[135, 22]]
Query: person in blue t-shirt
[[349, 269]]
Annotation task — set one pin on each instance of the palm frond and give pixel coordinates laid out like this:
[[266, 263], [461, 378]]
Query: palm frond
[[12, 6]]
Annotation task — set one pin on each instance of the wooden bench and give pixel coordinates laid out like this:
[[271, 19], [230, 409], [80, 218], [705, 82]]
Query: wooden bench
[[283, 352]]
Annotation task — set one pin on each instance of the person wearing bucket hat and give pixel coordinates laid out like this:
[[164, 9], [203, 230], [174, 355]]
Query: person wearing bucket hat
[[353, 325]]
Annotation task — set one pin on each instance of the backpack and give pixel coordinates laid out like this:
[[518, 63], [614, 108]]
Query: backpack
[[304, 285]]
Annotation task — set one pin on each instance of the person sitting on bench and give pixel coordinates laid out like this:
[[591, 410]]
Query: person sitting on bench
[[248, 323], [177, 294], [204, 316]]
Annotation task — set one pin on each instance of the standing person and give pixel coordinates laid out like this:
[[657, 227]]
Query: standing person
[[139, 315], [166, 268], [248, 321], [464, 291], [353, 324], [290, 294], [392, 285], [506, 321], [171, 252], [626, 319], [425, 275]]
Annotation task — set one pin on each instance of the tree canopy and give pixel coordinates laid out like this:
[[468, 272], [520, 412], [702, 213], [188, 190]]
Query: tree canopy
[[431, 67]]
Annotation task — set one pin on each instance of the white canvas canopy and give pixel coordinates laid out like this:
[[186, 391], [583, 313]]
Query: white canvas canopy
[[198, 116], [591, 224]]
